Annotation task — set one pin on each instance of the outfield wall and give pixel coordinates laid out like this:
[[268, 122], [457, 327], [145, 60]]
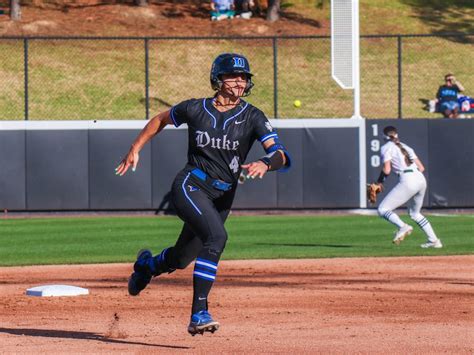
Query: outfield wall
[[446, 148], [69, 165]]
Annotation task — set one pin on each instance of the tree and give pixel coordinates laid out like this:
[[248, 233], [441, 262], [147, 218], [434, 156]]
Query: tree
[[273, 11], [15, 13], [141, 2]]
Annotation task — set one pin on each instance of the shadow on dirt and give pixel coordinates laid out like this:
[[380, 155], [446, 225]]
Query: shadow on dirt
[[50, 333]]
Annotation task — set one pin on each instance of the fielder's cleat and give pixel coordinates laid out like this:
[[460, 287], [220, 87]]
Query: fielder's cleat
[[436, 245], [402, 234], [142, 276], [202, 322]]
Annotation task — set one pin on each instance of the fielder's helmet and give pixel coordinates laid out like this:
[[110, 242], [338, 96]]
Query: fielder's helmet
[[230, 63]]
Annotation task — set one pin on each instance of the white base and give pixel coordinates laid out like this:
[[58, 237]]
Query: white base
[[56, 290]]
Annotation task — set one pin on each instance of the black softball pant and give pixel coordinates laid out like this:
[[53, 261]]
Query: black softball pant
[[204, 210]]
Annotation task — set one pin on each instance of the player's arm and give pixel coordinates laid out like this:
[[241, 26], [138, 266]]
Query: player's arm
[[152, 128], [386, 170], [419, 165], [274, 160]]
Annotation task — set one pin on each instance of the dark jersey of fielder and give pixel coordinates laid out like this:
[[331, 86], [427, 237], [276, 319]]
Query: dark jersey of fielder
[[220, 141]]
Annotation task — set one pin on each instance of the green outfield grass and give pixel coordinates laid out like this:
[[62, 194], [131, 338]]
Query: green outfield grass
[[39, 241]]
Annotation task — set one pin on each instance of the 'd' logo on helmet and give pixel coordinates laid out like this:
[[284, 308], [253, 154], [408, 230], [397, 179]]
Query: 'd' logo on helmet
[[239, 62]]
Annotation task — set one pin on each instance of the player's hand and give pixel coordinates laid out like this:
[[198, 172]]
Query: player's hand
[[131, 160], [255, 169]]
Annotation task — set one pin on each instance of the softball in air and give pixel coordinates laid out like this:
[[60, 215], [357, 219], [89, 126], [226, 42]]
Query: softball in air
[[297, 103]]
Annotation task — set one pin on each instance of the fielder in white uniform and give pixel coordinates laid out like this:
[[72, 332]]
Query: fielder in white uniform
[[410, 189]]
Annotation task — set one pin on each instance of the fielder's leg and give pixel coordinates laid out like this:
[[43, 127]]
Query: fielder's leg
[[414, 208], [394, 199]]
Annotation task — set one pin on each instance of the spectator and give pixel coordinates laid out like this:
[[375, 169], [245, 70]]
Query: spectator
[[447, 96], [222, 9], [243, 8]]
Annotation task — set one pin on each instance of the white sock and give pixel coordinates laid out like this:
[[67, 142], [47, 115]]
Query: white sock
[[424, 224], [392, 217]]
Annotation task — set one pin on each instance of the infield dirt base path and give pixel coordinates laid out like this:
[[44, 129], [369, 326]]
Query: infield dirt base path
[[366, 305]]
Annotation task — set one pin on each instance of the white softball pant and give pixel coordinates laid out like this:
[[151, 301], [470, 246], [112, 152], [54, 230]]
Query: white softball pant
[[411, 190]]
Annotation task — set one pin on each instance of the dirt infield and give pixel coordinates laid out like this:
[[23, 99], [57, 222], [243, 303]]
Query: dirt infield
[[371, 305]]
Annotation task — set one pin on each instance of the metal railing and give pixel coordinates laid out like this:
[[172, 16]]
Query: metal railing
[[50, 78]]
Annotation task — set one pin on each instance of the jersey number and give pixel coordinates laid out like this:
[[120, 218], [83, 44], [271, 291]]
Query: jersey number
[[234, 164]]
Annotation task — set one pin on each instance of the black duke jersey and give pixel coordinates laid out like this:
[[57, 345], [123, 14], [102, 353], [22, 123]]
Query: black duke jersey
[[220, 141]]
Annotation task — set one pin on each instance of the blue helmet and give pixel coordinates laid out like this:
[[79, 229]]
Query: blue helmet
[[230, 63]]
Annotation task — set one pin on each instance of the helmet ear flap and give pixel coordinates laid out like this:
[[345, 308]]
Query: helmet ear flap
[[219, 83], [216, 82], [249, 86]]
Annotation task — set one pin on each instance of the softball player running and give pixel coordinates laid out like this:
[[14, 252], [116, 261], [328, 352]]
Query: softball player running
[[221, 131], [410, 189]]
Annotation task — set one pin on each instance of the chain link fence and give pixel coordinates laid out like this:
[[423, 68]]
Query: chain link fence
[[134, 78]]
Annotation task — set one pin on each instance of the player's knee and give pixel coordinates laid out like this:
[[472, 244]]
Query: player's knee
[[416, 216], [222, 242], [218, 242], [382, 211]]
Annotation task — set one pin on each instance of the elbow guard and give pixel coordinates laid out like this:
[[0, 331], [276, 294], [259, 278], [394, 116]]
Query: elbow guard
[[272, 150], [273, 160]]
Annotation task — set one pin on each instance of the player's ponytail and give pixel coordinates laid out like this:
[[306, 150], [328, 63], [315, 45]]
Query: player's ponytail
[[391, 134]]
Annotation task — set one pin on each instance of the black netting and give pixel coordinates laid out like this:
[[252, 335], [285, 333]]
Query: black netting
[[134, 78]]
